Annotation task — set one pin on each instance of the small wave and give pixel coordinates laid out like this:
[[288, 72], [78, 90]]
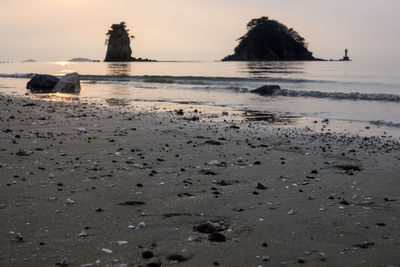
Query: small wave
[[157, 80], [237, 89], [117, 102], [16, 75], [341, 96], [183, 102], [385, 123], [218, 88], [236, 84], [197, 80]]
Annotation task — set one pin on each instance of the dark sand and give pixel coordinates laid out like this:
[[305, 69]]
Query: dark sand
[[66, 167]]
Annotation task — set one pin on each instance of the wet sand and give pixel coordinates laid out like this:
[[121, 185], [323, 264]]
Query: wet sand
[[85, 184]]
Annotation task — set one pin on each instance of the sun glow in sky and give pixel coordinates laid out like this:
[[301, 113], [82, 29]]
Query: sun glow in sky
[[193, 29]]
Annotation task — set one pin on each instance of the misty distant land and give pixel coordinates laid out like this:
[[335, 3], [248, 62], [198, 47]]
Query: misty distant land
[[29, 61], [82, 59]]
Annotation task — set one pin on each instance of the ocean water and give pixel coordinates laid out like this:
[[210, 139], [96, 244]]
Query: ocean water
[[353, 93]]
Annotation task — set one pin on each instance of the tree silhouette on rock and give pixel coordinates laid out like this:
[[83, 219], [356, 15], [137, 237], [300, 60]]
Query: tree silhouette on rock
[[118, 43], [268, 39]]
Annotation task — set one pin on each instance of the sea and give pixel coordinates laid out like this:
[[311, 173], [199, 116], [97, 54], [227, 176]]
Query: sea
[[354, 97]]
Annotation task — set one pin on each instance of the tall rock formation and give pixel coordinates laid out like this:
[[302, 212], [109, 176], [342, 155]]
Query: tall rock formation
[[268, 39], [118, 44]]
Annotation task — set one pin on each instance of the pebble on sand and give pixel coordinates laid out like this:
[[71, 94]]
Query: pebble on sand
[[106, 250], [217, 237], [176, 257], [147, 254], [206, 228]]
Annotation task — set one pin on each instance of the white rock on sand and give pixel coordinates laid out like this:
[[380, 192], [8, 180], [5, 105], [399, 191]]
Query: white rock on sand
[[70, 83]]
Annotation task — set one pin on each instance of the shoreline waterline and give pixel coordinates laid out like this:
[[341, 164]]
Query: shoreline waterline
[[224, 113], [352, 95]]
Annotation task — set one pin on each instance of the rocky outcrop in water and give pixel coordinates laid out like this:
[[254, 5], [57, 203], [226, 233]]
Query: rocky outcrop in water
[[268, 39], [119, 44], [267, 90], [42, 83], [39, 83]]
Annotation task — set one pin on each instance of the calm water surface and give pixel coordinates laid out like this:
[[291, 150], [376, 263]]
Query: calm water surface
[[320, 89]]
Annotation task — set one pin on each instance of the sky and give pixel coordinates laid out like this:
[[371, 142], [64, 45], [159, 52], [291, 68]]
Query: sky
[[47, 30]]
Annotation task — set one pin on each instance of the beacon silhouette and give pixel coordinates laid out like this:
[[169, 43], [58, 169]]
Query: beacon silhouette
[[346, 57]]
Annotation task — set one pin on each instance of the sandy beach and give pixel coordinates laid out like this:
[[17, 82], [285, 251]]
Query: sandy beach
[[92, 184]]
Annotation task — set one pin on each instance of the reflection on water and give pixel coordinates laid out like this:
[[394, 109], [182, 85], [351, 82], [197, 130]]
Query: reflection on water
[[271, 117], [118, 91], [61, 63], [117, 102], [56, 97], [263, 69], [222, 85], [119, 69]]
